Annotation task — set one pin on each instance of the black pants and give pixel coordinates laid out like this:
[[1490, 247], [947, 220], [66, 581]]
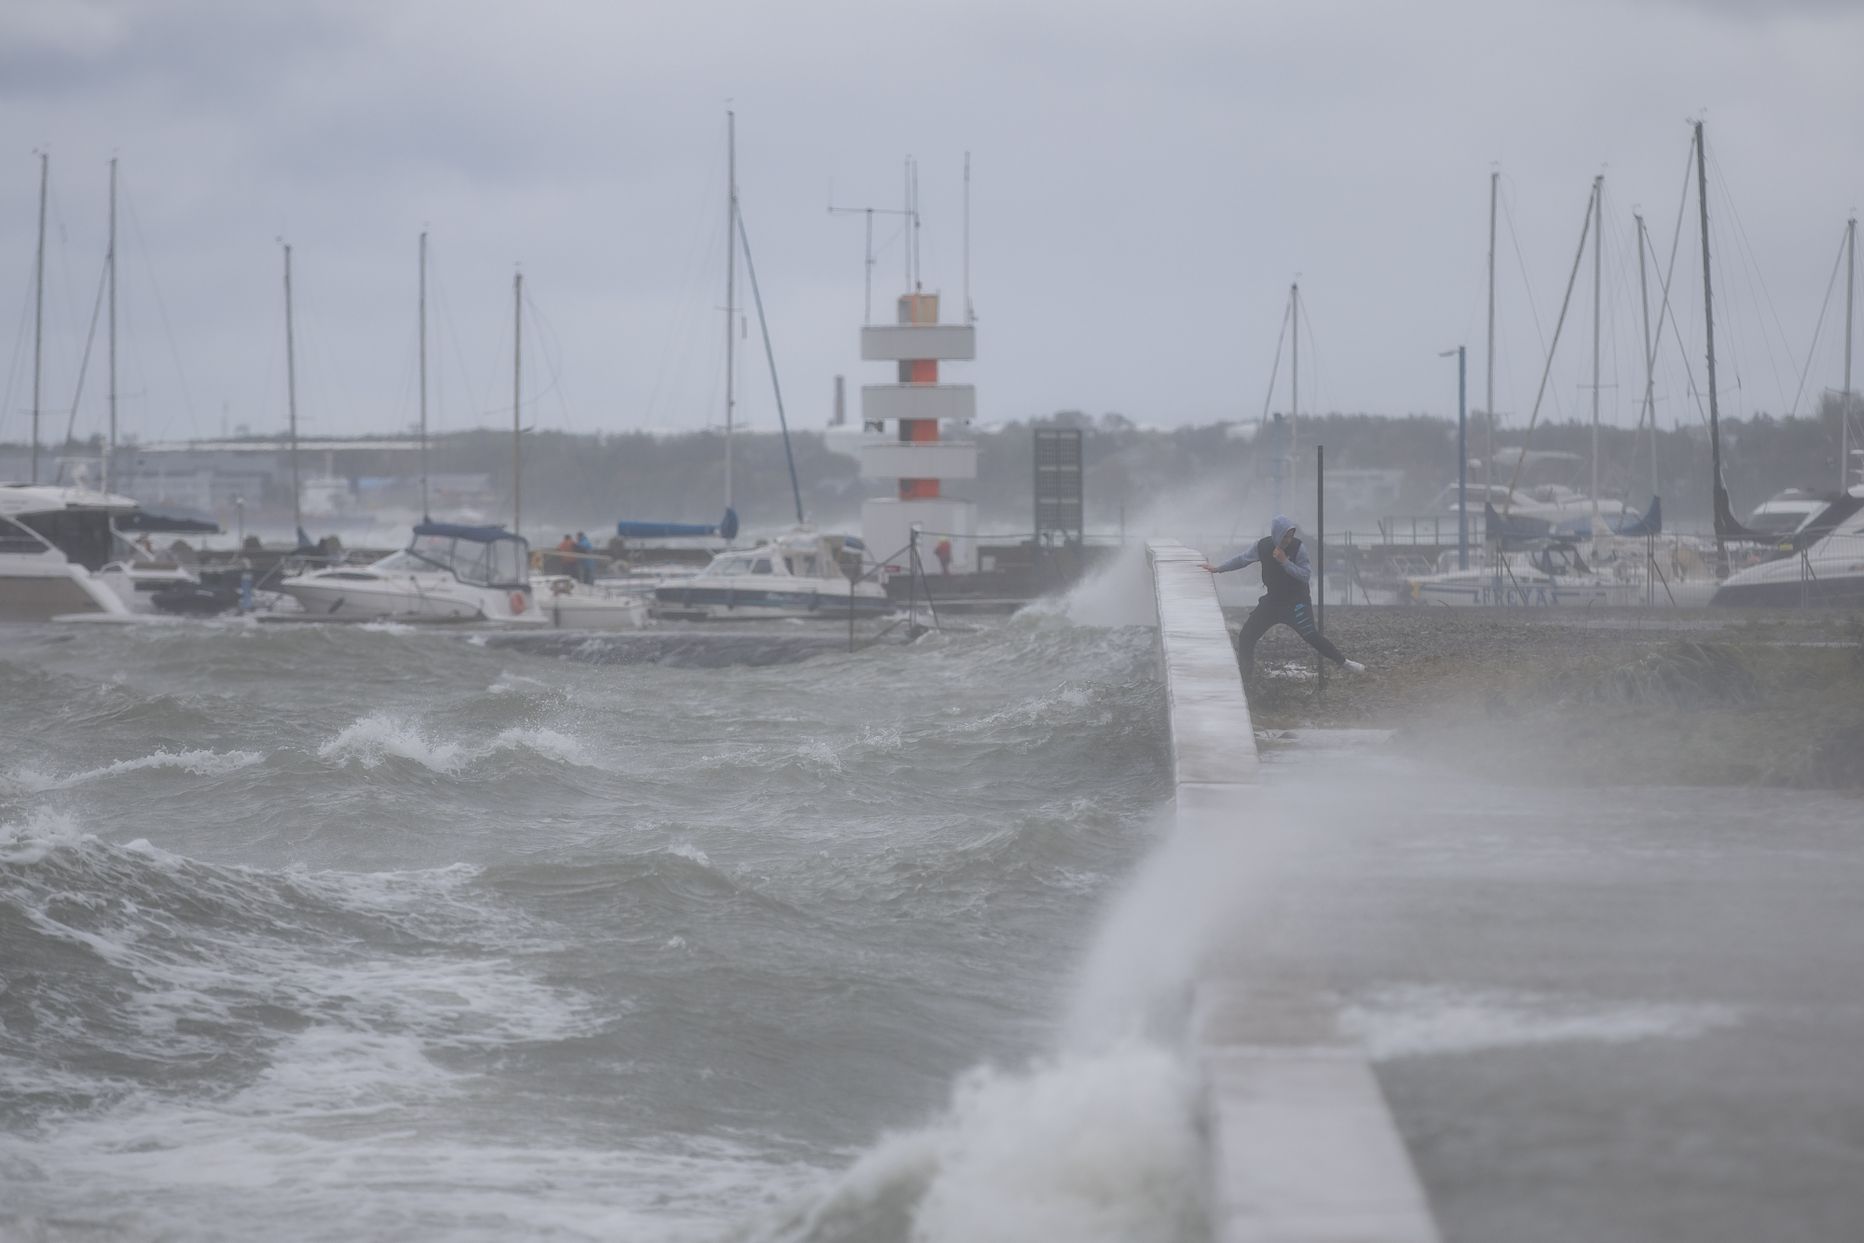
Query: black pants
[[1299, 616]]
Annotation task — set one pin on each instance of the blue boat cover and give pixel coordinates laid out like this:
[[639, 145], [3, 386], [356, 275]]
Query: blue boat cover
[[727, 528]]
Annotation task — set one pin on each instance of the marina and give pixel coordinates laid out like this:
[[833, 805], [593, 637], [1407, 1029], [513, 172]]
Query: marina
[[1185, 651]]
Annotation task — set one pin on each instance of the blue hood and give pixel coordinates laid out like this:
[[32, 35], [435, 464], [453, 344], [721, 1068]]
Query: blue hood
[[1280, 527]]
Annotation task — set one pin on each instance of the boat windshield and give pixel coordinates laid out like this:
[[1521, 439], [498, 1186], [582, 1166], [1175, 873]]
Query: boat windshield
[[486, 563], [739, 563]]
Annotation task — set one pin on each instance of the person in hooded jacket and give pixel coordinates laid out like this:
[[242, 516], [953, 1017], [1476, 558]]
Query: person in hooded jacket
[[1285, 576]]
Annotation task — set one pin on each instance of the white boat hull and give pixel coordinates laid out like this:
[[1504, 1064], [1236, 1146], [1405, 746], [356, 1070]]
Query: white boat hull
[[1506, 592], [337, 595], [47, 588]]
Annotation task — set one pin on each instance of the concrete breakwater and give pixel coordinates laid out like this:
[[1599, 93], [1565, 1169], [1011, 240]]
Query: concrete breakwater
[[1302, 1143]]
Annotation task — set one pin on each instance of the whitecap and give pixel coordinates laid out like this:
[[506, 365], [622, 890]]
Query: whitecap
[[373, 739], [199, 763]]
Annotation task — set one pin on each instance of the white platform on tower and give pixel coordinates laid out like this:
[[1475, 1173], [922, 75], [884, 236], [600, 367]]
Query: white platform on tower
[[918, 401], [918, 343]]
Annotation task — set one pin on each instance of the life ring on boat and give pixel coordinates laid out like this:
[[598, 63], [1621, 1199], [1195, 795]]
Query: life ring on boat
[[518, 602], [561, 586]]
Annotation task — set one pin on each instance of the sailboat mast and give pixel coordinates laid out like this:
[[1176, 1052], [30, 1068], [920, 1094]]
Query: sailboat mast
[[731, 285], [517, 405], [1488, 395], [424, 512], [1598, 269], [1718, 496], [38, 313], [1294, 383], [1844, 423], [1650, 354], [291, 403], [110, 452]]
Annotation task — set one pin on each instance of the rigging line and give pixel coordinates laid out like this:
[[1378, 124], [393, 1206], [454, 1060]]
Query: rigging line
[[161, 304], [771, 357], [19, 348], [1571, 280], [1818, 329], [1314, 351], [1669, 275], [1533, 308], [437, 288], [1753, 264], [1268, 398], [97, 306], [551, 345], [61, 260], [700, 247]]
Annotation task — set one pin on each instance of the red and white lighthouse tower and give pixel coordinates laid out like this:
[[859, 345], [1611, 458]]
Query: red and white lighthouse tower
[[926, 455]]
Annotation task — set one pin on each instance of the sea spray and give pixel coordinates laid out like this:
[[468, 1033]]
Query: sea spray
[[1093, 1148]]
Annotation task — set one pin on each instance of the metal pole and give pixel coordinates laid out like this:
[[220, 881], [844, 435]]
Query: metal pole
[[1462, 460], [1598, 269], [424, 509], [1320, 559], [912, 581], [731, 283], [867, 269], [110, 451], [1844, 423], [291, 405], [38, 313], [517, 402], [1718, 496], [1488, 397]]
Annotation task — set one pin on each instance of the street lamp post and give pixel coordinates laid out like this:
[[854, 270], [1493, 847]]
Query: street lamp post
[[1462, 455]]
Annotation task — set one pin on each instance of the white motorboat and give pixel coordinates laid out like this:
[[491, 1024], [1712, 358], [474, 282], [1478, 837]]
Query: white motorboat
[[453, 572], [602, 605], [800, 575], [53, 542], [1827, 568]]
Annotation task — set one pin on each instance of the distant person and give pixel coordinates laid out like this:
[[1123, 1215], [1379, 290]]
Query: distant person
[[1285, 576], [942, 550], [585, 566], [566, 554]]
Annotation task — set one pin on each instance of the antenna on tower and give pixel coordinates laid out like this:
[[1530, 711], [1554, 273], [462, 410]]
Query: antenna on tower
[[970, 315]]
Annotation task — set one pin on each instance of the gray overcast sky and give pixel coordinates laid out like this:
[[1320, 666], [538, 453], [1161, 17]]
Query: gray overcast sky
[[1148, 179]]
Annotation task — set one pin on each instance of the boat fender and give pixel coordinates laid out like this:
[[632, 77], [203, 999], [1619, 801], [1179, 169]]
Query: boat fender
[[518, 602]]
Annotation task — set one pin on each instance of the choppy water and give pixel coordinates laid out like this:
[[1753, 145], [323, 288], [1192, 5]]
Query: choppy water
[[357, 933]]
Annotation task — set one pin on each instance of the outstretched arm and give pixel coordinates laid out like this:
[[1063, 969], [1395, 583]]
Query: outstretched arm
[[1297, 565], [1234, 563]]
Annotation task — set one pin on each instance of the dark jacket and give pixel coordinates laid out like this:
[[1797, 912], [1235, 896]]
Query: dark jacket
[[1285, 582]]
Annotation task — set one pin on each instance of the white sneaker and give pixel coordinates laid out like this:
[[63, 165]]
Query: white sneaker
[[1353, 666]]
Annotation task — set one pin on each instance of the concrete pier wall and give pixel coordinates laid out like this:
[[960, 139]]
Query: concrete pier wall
[[1302, 1144]]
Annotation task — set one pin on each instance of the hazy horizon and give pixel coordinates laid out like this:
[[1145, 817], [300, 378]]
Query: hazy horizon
[[1145, 190]]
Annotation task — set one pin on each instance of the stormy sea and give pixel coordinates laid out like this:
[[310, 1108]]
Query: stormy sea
[[369, 932]]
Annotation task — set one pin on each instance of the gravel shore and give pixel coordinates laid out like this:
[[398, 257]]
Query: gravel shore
[[1596, 697]]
